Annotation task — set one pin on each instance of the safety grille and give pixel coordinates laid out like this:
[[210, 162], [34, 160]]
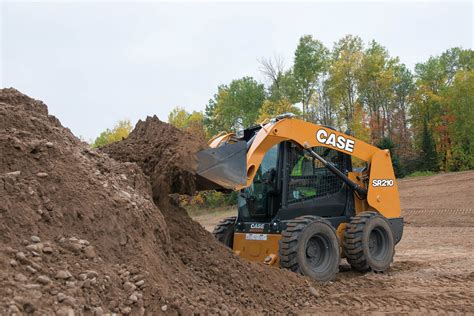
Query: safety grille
[[308, 178]]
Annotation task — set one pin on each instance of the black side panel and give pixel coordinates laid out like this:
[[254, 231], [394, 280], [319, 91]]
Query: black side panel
[[397, 228], [327, 206]]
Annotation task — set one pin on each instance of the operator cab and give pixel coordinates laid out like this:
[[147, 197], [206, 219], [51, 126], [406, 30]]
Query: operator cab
[[291, 183]]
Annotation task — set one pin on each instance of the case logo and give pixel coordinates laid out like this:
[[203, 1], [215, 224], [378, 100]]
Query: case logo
[[331, 139]]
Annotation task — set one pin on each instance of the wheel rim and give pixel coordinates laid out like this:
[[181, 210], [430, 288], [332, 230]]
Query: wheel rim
[[378, 241], [318, 252]]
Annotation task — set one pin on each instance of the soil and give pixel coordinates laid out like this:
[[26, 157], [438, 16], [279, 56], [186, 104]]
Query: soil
[[91, 232], [433, 269], [83, 233]]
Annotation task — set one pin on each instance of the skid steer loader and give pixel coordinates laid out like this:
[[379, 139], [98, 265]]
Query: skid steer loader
[[301, 204]]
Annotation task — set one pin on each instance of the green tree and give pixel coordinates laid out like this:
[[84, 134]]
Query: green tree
[[428, 159], [235, 106], [461, 108], [119, 132], [342, 87], [311, 60]]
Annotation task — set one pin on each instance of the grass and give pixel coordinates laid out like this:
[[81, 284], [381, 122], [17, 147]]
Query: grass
[[420, 174]]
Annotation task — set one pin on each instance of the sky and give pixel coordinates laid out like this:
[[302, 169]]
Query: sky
[[94, 63]]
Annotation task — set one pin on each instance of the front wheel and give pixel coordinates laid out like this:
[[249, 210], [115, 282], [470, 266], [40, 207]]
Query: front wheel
[[368, 242], [309, 246], [224, 231]]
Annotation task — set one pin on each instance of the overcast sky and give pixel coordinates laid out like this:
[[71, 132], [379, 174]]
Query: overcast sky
[[94, 63]]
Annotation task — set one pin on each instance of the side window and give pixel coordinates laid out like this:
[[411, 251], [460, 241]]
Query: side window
[[308, 177]]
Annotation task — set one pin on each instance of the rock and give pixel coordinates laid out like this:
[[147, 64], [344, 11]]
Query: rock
[[32, 286], [65, 311], [84, 242], [43, 279], [13, 173], [29, 307], [140, 283], [41, 174], [37, 266], [63, 274], [73, 239], [21, 257], [47, 250], [126, 310], [89, 252], [129, 286], [70, 284], [20, 277], [313, 291], [13, 309], [13, 263], [60, 297], [86, 284], [164, 308], [133, 298], [35, 239], [82, 276], [31, 269], [35, 247], [49, 145]]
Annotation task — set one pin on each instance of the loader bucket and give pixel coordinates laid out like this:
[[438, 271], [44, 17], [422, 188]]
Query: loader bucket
[[222, 168]]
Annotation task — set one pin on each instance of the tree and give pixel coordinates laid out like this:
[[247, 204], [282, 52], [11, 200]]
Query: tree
[[282, 84], [375, 82], [271, 109], [428, 157], [311, 60], [342, 87], [119, 132], [191, 122], [461, 108], [235, 106]]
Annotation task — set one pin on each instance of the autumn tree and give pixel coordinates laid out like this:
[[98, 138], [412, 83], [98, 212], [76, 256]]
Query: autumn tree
[[192, 122], [119, 132]]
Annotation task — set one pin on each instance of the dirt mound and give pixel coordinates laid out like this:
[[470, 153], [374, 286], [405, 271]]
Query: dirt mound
[[80, 231], [165, 153]]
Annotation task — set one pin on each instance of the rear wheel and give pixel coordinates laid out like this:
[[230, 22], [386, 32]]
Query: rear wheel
[[224, 231], [309, 246], [368, 242]]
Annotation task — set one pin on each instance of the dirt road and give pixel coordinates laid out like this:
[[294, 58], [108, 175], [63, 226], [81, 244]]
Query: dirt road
[[433, 269]]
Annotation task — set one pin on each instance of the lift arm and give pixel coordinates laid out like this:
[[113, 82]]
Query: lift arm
[[382, 192]]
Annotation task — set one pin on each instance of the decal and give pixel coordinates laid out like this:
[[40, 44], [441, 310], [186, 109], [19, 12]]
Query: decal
[[382, 183], [255, 236], [335, 141], [257, 226]]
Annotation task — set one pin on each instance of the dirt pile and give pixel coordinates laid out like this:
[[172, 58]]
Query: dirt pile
[[164, 153], [81, 232]]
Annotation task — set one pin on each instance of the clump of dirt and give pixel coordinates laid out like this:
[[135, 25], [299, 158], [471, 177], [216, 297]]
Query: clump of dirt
[[81, 232], [165, 153]]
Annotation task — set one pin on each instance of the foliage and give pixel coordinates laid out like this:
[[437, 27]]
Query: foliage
[[271, 109], [235, 106], [424, 116], [311, 60], [119, 132], [191, 122]]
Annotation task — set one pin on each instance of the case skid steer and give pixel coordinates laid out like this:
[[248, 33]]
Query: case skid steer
[[301, 204]]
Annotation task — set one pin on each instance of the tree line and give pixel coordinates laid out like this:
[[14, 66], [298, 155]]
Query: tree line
[[425, 117]]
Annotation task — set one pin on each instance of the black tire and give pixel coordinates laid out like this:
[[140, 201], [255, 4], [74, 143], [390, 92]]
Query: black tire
[[309, 246], [368, 242], [224, 231]]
